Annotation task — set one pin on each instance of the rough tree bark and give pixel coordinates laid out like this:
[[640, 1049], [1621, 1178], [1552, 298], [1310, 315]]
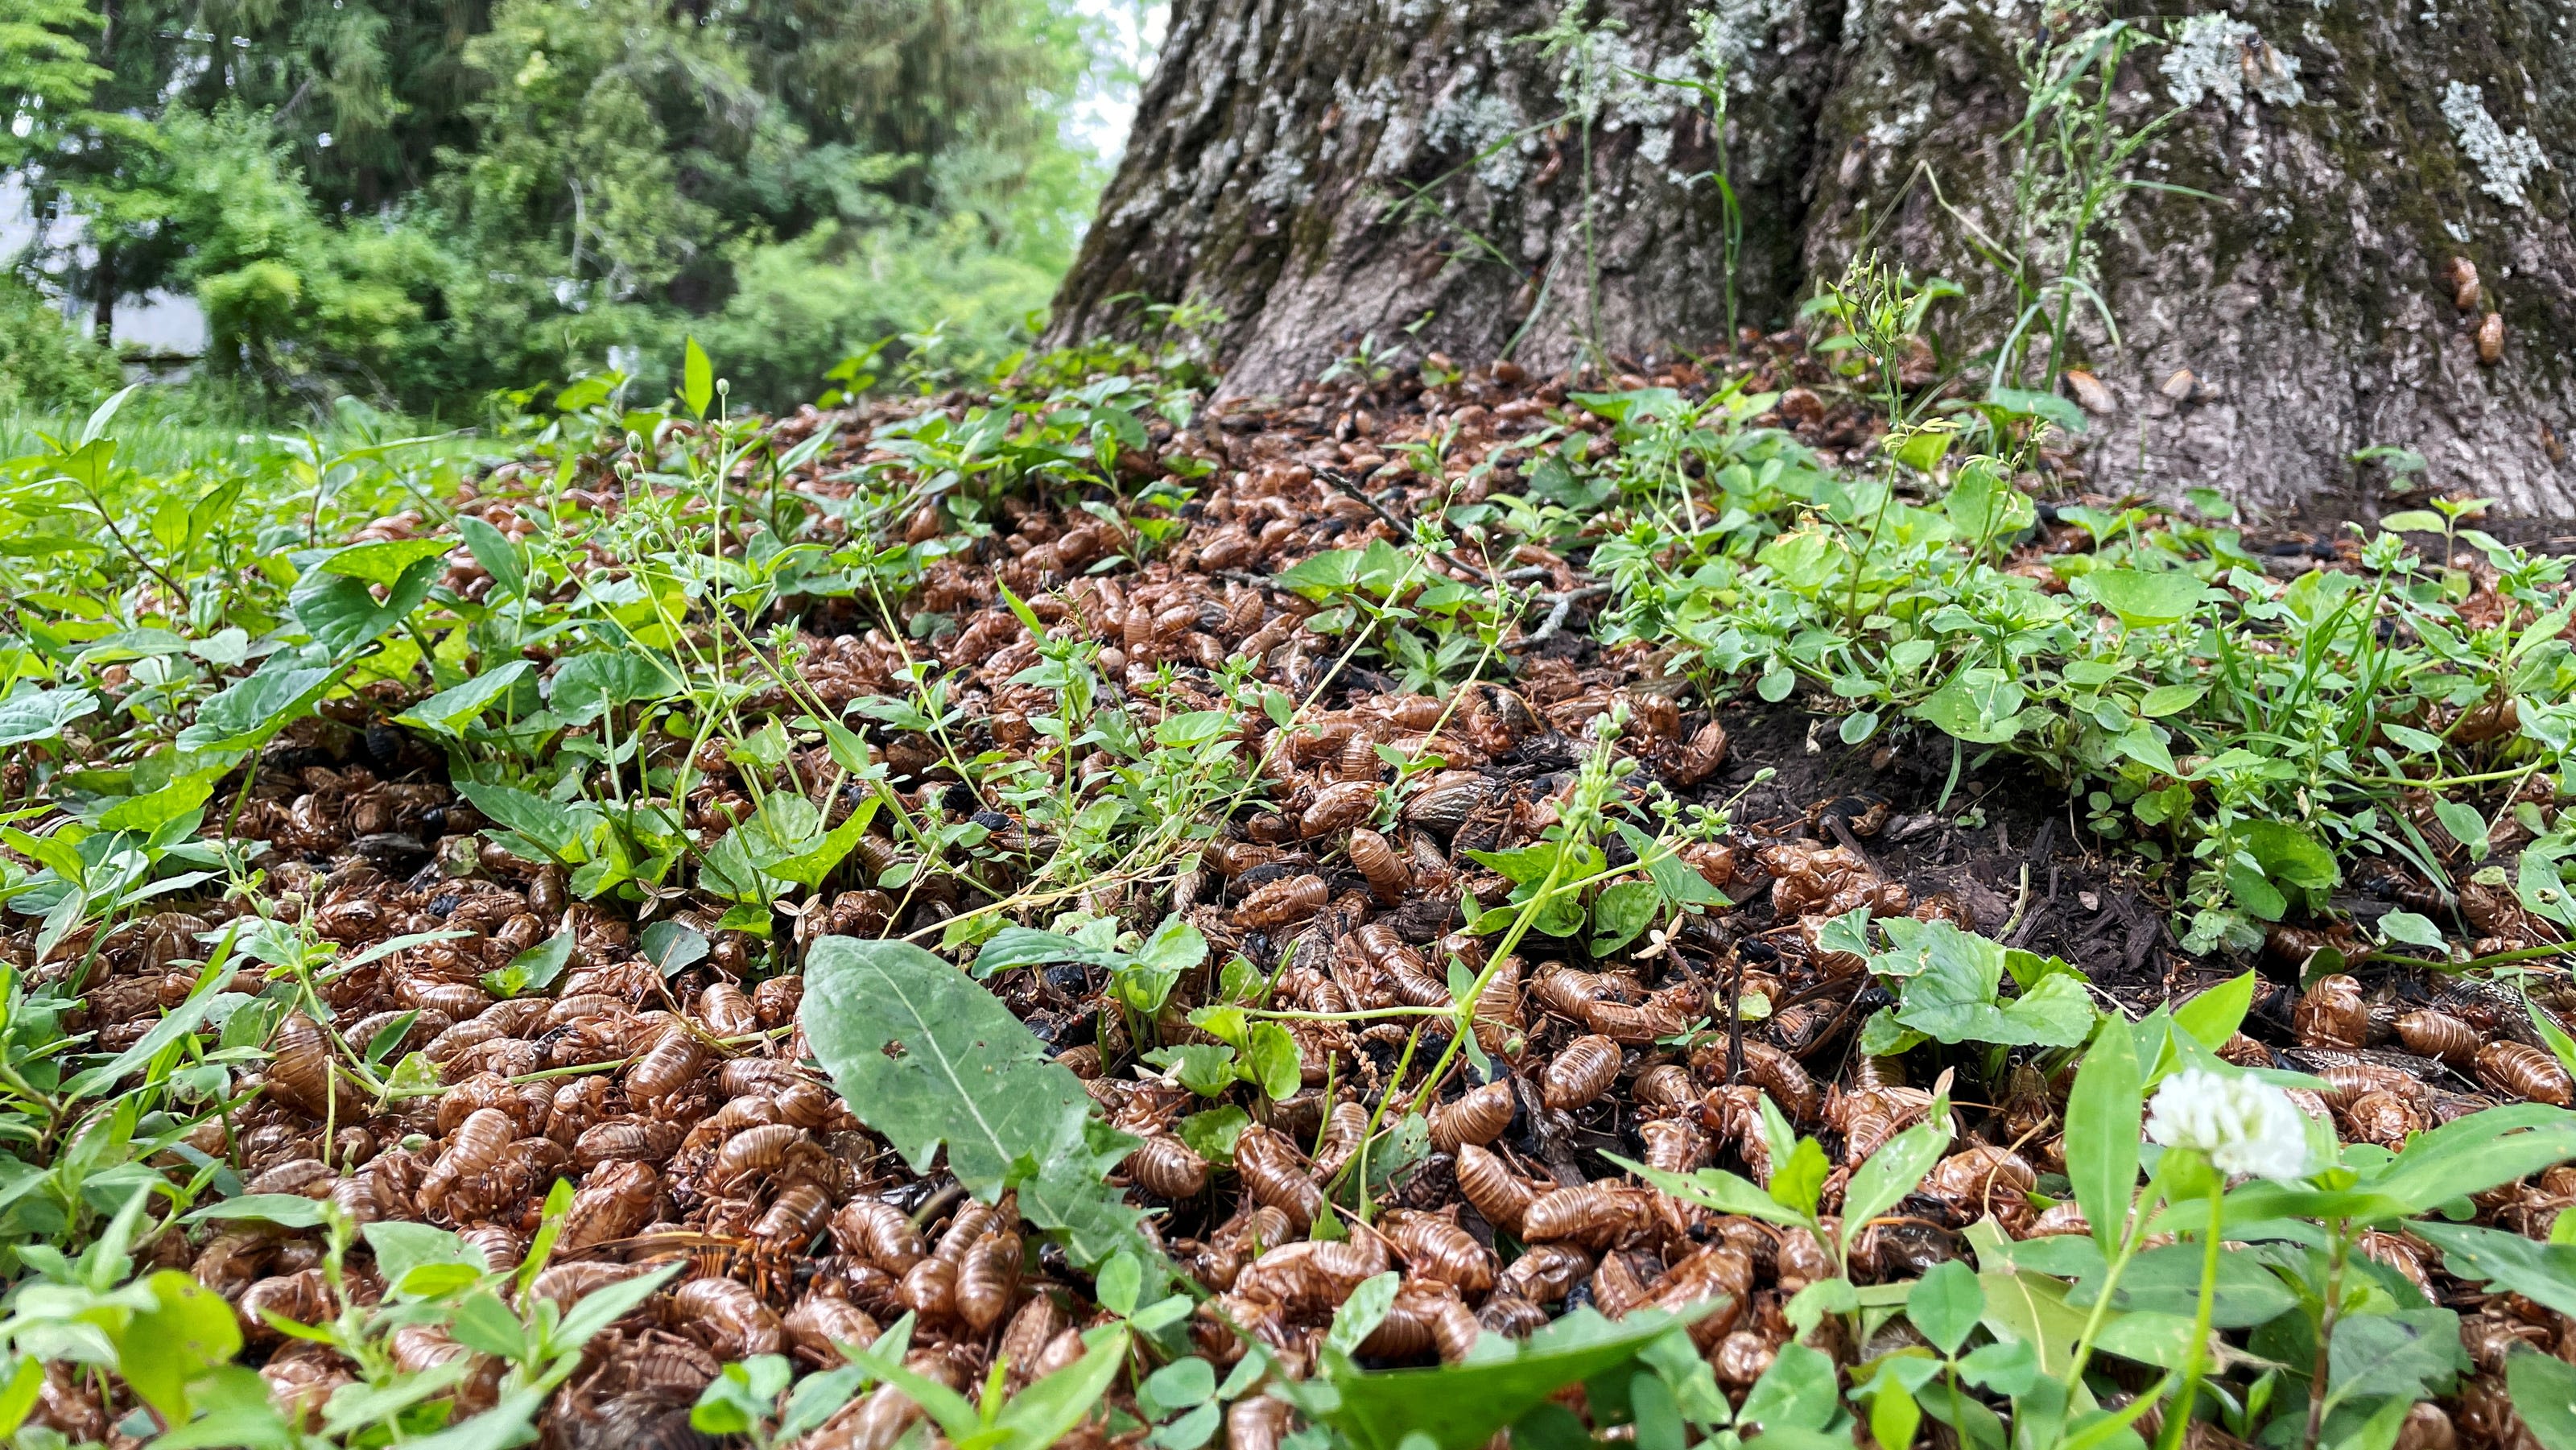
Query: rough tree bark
[[1332, 170]]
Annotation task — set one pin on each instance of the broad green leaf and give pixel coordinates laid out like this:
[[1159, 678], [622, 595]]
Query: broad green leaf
[[258, 706], [1460, 1406], [2543, 1390], [2166, 700], [385, 561], [2144, 597], [1945, 1304], [286, 1210], [2290, 855], [1714, 1188], [926, 1057], [2542, 1273], [589, 685], [1622, 913], [1980, 706], [342, 613], [2213, 1016], [2411, 1352], [1895, 1169], [28, 714], [2104, 1112], [449, 711], [189, 1330], [697, 378]]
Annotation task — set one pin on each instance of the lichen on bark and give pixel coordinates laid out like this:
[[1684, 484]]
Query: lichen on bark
[[1327, 171]]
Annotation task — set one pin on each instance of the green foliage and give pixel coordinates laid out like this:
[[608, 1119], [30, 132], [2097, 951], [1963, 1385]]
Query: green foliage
[[419, 201], [44, 363], [930, 1059]]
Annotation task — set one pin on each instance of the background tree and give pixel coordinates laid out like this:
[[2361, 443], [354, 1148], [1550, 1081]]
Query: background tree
[[424, 199], [1499, 177]]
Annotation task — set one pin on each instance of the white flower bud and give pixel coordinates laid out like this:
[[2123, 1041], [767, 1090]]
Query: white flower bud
[[2248, 1127]]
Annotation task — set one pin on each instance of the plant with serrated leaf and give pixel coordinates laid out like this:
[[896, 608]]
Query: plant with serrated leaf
[[928, 1058], [1949, 987]]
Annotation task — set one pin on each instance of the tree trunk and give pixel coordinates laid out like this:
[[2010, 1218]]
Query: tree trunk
[[1331, 172]]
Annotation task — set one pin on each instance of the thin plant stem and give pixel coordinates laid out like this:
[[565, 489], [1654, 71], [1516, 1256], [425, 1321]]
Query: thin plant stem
[[2178, 1414]]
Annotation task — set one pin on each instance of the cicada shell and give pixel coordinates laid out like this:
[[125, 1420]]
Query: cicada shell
[[1338, 806], [1665, 1085], [1314, 1274], [1434, 1247], [877, 1231], [1274, 1173], [727, 1318], [1580, 1072], [1479, 1115], [1277, 903], [472, 1151], [1742, 1358], [2433, 1033], [1445, 803], [752, 1152], [794, 1218], [668, 1067], [2332, 1013], [1345, 1128], [1378, 860], [303, 1072], [641, 1139], [1166, 1167], [1675, 1145], [727, 1011], [1501, 1195], [1595, 1215], [1699, 759], [818, 1327], [1545, 1274], [985, 1280], [611, 1204], [2519, 1070], [2383, 1118]]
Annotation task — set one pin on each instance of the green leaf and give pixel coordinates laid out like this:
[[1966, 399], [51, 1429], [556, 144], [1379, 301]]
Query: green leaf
[[674, 946], [286, 1210], [2047, 406], [2166, 700], [493, 550], [28, 714], [1622, 913], [2412, 929], [1460, 1406], [253, 708], [2212, 1017], [926, 1057], [2542, 1273], [2543, 1391], [1717, 1189], [1895, 1169], [1798, 1180], [2144, 597], [1047, 1411], [1980, 706], [589, 685], [1361, 1313], [1212, 1134], [2104, 1112], [188, 1331], [18, 1397], [385, 561], [449, 711], [1271, 1062], [2411, 1352], [1945, 1304], [342, 613], [604, 1306], [697, 378], [2291, 856], [929, 1059], [2463, 824]]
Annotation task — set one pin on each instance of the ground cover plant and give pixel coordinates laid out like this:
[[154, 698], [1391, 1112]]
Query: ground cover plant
[[1724, 902]]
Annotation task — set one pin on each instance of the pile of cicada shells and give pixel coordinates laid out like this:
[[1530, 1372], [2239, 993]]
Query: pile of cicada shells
[[685, 1110]]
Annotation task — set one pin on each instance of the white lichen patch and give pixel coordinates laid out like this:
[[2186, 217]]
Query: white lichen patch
[[1730, 32], [2504, 162], [2218, 55]]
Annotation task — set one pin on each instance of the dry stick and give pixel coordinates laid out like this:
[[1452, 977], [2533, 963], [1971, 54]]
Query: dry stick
[[1342, 481]]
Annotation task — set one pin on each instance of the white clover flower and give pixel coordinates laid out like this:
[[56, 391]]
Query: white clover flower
[[2248, 1127]]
